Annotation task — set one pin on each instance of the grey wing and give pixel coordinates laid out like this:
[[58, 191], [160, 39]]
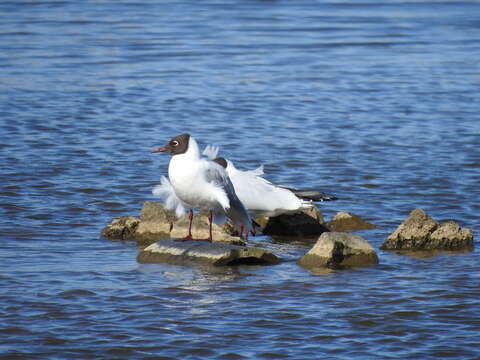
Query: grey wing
[[235, 211]]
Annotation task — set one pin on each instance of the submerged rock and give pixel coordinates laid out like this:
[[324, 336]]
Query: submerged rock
[[338, 250], [419, 232], [199, 252], [121, 228], [303, 224], [344, 221]]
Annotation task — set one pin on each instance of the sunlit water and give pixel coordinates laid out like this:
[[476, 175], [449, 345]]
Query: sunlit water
[[377, 103]]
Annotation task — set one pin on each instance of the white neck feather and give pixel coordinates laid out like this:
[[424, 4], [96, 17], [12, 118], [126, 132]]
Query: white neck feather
[[193, 150]]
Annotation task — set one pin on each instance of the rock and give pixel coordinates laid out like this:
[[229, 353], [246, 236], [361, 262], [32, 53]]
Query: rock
[[151, 231], [156, 223], [414, 231], [314, 212], [230, 228], [344, 221], [337, 250], [451, 236], [121, 228], [419, 232], [200, 230], [303, 224], [159, 223], [262, 222], [156, 212], [199, 252]]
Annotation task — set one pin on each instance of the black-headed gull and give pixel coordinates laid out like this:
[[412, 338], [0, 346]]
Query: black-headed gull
[[263, 198], [211, 152], [203, 184], [259, 196]]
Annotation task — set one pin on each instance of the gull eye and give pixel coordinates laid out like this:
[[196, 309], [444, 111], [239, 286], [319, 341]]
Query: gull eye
[[174, 143]]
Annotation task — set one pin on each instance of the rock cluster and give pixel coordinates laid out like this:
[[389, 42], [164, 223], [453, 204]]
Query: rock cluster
[[157, 226], [156, 223], [338, 250], [419, 232]]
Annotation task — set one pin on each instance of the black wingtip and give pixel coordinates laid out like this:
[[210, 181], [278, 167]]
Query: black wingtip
[[313, 195], [256, 227]]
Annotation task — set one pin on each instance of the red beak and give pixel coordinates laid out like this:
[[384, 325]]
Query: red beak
[[162, 149]]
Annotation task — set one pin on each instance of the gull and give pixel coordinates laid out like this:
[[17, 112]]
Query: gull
[[265, 199], [200, 183], [260, 197]]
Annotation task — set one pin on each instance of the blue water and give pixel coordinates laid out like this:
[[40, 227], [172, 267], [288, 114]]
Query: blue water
[[375, 102]]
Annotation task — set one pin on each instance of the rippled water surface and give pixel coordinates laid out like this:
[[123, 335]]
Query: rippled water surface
[[375, 102]]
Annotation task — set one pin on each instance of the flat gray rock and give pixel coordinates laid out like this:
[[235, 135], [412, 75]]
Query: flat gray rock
[[200, 252], [337, 250]]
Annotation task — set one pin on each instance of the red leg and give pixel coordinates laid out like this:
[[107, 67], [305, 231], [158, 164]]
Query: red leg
[[210, 219], [189, 236], [244, 232], [190, 216]]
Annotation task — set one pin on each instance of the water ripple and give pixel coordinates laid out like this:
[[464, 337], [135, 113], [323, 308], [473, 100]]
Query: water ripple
[[375, 103]]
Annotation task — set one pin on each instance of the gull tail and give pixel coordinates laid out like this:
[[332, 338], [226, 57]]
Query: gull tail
[[311, 195], [314, 195], [166, 192]]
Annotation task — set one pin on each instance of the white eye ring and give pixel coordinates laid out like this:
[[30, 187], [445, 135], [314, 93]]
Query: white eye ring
[[175, 143]]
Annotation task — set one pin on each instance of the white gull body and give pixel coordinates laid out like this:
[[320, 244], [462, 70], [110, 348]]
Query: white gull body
[[260, 196]]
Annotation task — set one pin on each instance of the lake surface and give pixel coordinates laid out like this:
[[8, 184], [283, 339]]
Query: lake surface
[[375, 102]]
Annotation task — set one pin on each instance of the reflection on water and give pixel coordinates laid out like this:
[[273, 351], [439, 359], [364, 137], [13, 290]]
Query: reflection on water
[[431, 253], [375, 103]]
